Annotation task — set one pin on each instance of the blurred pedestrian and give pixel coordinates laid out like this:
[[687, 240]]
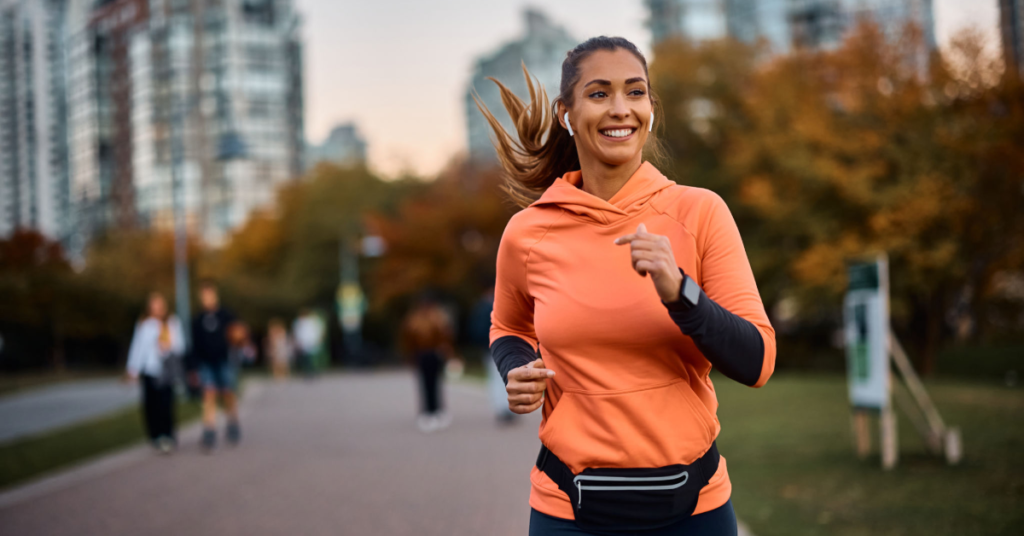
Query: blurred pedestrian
[[216, 372], [279, 349], [617, 291], [308, 331], [156, 346], [241, 350], [479, 335], [426, 339]]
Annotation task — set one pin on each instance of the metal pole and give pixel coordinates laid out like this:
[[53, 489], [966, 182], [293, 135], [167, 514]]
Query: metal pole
[[181, 291]]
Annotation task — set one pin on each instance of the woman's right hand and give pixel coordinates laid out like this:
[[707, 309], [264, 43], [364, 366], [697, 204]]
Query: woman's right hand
[[526, 386]]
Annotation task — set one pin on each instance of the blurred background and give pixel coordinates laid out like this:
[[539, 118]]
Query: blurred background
[[326, 156]]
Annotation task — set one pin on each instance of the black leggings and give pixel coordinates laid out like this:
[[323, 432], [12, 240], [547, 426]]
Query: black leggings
[[157, 408], [429, 365], [718, 522]]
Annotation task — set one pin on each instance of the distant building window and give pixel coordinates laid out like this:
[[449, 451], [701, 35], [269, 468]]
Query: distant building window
[[259, 107], [260, 58]]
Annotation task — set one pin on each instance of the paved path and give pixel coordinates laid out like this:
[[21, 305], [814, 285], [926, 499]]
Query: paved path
[[47, 408], [336, 456]]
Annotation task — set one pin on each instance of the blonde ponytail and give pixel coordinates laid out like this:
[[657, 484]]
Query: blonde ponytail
[[540, 152]]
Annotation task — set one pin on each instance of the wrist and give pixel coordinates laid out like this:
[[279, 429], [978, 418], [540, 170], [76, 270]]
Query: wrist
[[687, 294], [675, 287]]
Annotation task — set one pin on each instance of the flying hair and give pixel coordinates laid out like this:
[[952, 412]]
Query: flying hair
[[540, 150]]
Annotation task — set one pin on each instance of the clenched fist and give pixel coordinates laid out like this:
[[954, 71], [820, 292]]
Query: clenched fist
[[526, 386]]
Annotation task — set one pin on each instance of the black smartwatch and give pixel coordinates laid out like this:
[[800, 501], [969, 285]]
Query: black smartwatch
[[689, 295]]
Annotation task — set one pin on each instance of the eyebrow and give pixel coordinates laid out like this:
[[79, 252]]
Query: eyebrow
[[601, 82]]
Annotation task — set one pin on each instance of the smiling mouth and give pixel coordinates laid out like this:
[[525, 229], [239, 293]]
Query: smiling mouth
[[618, 132]]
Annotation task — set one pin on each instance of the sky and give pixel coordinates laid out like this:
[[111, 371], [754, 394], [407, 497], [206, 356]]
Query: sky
[[399, 68]]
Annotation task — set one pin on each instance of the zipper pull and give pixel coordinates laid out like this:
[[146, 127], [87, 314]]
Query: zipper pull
[[579, 492]]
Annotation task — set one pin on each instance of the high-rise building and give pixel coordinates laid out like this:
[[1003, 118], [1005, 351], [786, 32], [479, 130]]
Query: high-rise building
[[343, 146], [33, 148], [785, 24], [1011, 23], [542, 49], [208, 91]]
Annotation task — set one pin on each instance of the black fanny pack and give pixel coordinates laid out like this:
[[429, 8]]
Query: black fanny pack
[[610, 500]]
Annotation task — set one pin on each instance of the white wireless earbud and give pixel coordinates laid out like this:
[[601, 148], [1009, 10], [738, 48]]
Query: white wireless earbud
[[650, 126], [567, 125]]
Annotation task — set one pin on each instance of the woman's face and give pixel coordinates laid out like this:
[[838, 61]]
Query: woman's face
[[157, 307], [611, 108]]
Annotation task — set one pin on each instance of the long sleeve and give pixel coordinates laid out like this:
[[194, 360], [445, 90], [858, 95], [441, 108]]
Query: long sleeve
[[135, 352], [192, 358], [512, 336], [177, 337], [731, 343], [729, 324]]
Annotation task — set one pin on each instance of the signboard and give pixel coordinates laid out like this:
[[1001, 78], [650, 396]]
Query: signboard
[[866, 329]]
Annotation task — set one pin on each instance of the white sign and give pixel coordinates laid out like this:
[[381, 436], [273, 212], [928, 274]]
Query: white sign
[[866, 320]]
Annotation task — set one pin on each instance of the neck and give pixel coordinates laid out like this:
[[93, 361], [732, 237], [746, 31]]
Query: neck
[[604, 181]]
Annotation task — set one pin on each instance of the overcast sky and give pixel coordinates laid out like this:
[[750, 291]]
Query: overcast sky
[[399, 68]]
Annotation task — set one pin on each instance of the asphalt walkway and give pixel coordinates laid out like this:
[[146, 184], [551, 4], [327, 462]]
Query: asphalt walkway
[[48, 408], [339, 455]]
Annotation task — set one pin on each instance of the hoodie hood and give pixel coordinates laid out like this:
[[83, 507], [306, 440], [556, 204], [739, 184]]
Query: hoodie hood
[[633, 197]]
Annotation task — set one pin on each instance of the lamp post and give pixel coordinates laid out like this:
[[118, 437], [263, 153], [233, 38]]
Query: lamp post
[[181, 290]]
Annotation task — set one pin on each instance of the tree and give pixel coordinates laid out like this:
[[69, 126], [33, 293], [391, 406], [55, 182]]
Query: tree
[[828, 156]]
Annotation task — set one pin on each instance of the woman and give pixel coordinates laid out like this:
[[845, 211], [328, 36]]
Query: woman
[[279, 348], [157, 343], [617, 292], [427, 339]]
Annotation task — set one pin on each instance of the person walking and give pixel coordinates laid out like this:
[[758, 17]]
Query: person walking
[[279, 349], [157, 343], [618, 290], [479, 335], [309, 341], [215, 371], [426, 339]]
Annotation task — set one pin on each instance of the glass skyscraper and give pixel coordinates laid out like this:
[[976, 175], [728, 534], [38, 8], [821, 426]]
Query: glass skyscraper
[[33, 148], [542, 49], [785, 24], [222, 78]]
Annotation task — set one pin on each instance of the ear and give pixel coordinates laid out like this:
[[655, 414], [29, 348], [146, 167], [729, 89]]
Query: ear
[[560, 113]]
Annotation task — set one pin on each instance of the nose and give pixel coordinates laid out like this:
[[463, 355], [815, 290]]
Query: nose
[[619, 109]]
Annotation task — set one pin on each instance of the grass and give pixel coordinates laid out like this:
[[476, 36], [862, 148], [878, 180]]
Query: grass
[[11, 383], [790, 453], [34, 456]]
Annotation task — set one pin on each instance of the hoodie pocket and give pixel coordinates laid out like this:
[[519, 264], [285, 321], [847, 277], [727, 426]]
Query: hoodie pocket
[[650, 427]]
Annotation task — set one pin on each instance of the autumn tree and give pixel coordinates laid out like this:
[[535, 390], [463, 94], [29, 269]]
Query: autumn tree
[[833, 155]]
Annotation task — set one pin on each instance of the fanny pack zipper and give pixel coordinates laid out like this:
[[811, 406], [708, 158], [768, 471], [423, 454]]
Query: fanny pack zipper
[[578, 480]]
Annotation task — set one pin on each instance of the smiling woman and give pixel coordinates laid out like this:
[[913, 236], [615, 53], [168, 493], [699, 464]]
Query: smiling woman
[[543, 149], [619, 364]]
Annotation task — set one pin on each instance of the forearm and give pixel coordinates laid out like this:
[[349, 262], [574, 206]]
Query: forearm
[[731, 343], [511, 352]]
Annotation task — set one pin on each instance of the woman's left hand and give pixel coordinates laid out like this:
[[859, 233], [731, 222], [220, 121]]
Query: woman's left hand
[[652, 254]]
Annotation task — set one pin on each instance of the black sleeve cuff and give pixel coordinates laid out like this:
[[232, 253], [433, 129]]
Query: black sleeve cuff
[[731, 343], [511, 352]]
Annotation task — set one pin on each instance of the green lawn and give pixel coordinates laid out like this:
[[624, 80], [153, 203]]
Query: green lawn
[[13, 382], [34, 456], [790, 452]]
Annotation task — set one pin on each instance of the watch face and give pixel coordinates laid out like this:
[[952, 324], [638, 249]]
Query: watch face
[[691, 291]]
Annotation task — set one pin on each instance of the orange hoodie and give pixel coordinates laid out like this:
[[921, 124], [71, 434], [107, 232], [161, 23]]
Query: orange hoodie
[[630, 390]]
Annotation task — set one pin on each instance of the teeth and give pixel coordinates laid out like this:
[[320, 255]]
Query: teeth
[[620, 133]]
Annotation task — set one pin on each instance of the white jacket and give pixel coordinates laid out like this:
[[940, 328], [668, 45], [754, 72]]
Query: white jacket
[[145, 356]]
